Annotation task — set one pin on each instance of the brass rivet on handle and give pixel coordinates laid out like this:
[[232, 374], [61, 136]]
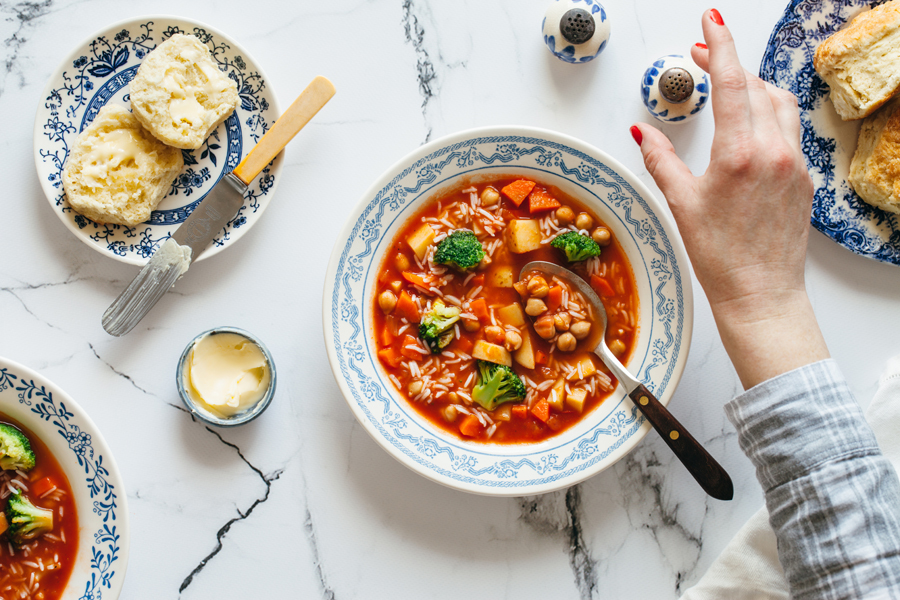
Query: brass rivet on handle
[[673, 435], [644, 400]]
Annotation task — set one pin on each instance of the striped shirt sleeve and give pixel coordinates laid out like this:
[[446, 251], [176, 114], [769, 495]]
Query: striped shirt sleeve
[[833, 498]]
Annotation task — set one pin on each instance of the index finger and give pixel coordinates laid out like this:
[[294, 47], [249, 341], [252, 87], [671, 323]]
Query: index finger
[[730, 99]]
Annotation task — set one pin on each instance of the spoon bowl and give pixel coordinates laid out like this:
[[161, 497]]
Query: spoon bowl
[[701, 465]]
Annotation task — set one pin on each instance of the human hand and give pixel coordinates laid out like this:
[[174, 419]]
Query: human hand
[[745, 221]]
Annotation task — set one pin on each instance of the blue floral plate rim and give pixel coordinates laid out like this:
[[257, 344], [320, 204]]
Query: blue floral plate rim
[[488, 469], [100, 498], [81, 85], [828, 143]]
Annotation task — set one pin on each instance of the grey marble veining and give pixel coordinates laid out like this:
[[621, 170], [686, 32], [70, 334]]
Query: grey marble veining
[[302, 502]]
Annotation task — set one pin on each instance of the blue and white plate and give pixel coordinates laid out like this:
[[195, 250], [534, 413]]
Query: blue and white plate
[[638, 221], [80, 450], [828, 142], [97, 73]]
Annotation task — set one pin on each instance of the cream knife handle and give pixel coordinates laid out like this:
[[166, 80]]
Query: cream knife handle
[[304, 108]]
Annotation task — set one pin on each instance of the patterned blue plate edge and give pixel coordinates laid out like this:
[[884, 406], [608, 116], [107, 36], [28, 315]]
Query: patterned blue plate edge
[[100, 466]]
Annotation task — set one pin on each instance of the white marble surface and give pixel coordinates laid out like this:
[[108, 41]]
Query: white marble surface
[[302, 501]]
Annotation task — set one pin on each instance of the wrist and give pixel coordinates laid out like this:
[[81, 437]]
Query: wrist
[[769, 333]]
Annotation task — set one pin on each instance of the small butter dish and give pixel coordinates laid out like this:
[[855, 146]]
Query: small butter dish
[[226, 377]]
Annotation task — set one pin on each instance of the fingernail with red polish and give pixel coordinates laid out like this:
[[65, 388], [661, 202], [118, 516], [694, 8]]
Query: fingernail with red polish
[[702, 45], [716, 17], [637, 135]]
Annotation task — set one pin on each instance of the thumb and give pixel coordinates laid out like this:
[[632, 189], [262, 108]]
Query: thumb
[[671, 175]]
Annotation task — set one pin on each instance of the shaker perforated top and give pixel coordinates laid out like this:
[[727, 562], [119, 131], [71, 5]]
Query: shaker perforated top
[[577, 26], [676, 85]]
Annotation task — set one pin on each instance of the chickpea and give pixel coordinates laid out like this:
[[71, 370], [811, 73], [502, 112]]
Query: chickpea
[[396, 285], [534, 307], [401, 262], [494, 334], [453, 397], [544, 327], [565, 215], [602, 236], [490, 196], [617, 347], [387, 301], [537, 287], [513, 341], [415, 387], [471, 325], [584, 221], [580, 329], [562, 320], [566, 342]]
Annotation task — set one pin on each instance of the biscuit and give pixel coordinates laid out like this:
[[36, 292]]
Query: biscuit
[[875, 169], [180, 95], [861, 62], [116, 171]]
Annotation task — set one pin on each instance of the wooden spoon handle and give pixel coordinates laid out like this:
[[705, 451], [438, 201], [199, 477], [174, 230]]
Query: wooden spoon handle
[[304, 108], [708, 473]]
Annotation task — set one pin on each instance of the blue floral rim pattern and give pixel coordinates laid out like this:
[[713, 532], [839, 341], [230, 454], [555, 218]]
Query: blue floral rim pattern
[[107, 548], [788, 63], [99, 73], [449, 461]]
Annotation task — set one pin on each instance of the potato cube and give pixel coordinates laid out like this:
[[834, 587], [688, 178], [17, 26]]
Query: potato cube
[[492, 353], [524, 235], [525, 354], [512, 315], [502, 277], [420, 240], [587, 369], [575, 399], [557, 395]]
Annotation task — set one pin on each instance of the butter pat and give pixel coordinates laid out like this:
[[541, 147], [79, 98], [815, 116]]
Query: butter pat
[[173, 254], [227, 373]]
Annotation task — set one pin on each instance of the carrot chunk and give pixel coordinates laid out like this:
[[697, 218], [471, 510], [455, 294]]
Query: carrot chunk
[[407, 309], [43, 486], [518, 190], [387, 338], [389, 357], [540, 200], [470, 426], [463, 344], [480, 310], [520, 411], [601, 286], [406, 348], [554, 298], [477, 280], [541, 410], [417, 279], [540, 357]]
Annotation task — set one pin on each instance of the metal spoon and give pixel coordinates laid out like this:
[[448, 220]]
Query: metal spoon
[[708, 473]]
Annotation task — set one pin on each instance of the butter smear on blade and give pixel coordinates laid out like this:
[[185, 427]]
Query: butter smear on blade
[[227, 373]]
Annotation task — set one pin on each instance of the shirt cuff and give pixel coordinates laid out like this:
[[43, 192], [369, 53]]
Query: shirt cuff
[[793, 423]]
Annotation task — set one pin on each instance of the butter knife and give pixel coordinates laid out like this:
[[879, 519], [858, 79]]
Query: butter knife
[[211, 215]]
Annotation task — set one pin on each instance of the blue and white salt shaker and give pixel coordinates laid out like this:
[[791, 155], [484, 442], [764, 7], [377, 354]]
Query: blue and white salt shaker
[[674, 89], [576, 31]]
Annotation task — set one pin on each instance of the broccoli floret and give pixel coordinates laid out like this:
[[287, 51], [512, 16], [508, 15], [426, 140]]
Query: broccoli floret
[[26, 521], [15, 449], [460, 249], [435, 328], [497, 384], [577, 246]]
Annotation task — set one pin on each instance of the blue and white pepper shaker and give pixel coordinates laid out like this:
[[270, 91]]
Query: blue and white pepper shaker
[[576, 31], [674, 89]]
